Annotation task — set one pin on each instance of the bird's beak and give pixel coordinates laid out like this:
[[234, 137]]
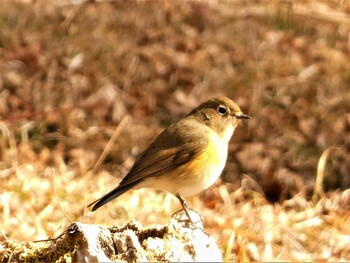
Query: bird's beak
[[242, 116]]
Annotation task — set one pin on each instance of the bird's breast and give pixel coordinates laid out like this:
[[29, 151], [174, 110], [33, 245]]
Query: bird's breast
[[204, 169]]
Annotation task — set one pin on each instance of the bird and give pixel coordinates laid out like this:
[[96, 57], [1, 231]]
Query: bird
[[187, 157]]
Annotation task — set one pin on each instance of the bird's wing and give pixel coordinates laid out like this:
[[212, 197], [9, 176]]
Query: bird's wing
[[172, 148], [175, 146]]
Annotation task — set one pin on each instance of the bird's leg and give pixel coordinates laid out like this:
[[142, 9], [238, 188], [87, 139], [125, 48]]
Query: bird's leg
[[185, 207]]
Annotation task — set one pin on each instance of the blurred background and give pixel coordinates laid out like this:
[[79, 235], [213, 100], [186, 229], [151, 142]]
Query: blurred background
[[75, 75]]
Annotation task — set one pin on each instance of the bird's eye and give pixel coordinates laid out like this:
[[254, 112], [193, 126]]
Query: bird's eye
[[221, 110]]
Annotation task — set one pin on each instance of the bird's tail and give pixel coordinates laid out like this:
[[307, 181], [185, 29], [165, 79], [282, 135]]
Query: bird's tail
[[121, 189]]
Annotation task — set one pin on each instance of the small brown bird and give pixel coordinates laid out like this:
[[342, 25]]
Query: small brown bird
[[187, 157]]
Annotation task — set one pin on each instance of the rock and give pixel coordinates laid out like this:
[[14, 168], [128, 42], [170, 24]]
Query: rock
[[179, 240]]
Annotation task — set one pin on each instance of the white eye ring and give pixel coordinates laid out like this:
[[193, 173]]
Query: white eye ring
[[221, 110]]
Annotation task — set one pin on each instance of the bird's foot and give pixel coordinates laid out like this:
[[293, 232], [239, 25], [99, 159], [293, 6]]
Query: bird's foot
[[190, 217]]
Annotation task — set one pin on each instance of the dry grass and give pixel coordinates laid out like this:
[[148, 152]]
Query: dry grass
[[69, 75]]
